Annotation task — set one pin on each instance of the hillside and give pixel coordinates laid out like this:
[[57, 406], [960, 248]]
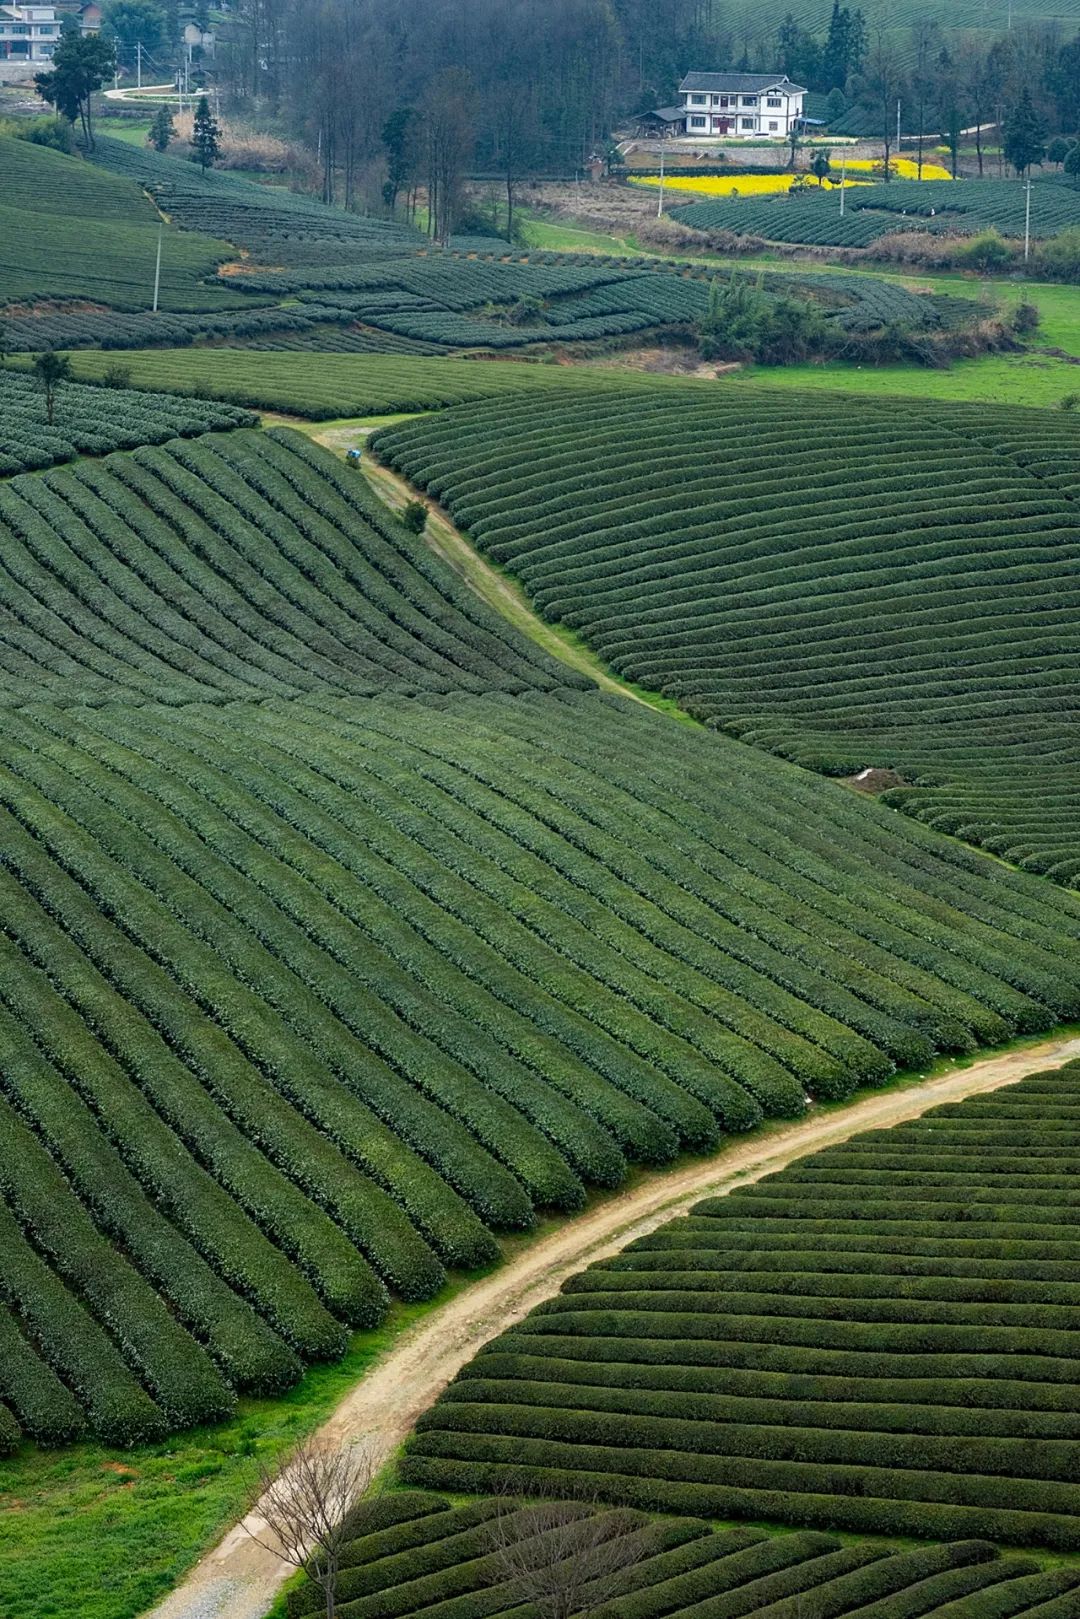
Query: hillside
[[962, 207], [879, 1338], [800, 586], [343, 933], [69, 230]]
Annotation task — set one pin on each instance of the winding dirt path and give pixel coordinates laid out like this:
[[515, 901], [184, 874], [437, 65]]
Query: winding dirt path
[[240, 1579]]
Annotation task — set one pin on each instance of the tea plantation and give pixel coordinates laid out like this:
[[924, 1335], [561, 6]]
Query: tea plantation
[[812, 215], [890, 584], [344, 931], [71, 231], [412, 1552], [92, 421], [879, 1338], [247, 264]]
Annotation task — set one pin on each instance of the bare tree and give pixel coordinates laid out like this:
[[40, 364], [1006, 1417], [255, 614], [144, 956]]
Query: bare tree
[[882, 86], [565, 1557], [925, 47], [449, 130], [307, 1509]]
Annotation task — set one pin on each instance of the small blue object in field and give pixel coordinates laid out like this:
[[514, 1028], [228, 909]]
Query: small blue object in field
[[354, 456]]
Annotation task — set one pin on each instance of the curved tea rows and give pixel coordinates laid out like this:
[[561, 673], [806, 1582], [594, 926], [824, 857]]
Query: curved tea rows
[[813, 216], [300, 1003], [93, 421], [881, 1337], [342, 932], [412, 1553], [242, 565], [898, 592]]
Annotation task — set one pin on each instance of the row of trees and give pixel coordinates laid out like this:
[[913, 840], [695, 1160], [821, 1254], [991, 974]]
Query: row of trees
[[1025, 84], [417, 94]]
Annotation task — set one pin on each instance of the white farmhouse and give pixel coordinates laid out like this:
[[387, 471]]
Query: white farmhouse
[[28, 33], [750, 105], [31, 33]]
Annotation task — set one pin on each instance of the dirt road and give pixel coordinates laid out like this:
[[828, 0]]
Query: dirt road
[[239, 1580]]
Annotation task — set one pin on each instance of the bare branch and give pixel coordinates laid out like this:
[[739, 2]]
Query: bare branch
[[307, 1509], [566, 1557]]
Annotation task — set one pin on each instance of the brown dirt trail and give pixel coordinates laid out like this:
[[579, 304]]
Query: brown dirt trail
[[239, 1579]]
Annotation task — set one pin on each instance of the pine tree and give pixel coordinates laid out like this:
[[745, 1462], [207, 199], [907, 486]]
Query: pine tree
[[834, 63], [1025, 135], [162, 129], [204, 135]]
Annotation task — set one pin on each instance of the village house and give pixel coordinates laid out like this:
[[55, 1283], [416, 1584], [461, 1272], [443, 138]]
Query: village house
[[747, 105], [30, 33]]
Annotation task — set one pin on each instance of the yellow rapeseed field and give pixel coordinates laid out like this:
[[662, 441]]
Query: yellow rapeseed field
[[761, 185]]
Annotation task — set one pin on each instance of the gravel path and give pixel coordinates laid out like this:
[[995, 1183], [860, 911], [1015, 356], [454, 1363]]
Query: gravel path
[[239, 1579]]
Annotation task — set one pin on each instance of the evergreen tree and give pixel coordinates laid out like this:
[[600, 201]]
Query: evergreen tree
[[1024, 141], [834, 58], [204, 135], [80, 65], [399, 138], [51, 369], [162, 129]]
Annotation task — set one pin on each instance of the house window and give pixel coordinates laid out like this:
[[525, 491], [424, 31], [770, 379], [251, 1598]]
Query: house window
[[747, 123], [698, 122], [699, 101], [749, 101], [724, 102], [773, 101], [773, 124]]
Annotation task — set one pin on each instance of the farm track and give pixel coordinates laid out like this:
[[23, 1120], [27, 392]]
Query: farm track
[[239, 1578], [503, 594]]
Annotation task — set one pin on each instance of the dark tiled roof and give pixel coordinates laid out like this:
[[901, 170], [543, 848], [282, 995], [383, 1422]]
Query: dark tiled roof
[[740, 83], [668, 115]]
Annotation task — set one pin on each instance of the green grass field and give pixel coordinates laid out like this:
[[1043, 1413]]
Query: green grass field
[[103, 1533]]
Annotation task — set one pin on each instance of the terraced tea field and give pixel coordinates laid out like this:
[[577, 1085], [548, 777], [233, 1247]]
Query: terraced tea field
[[413, 1552], [344, 932], [898, 593], [69, 230], [344, 385], [879, 1338], [812, 215], [93, 421]]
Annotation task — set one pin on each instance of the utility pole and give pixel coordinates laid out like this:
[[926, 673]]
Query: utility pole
[[138, 64], [1027, 217], [898, 126], [157, 268], [660, 198], [843, 182]]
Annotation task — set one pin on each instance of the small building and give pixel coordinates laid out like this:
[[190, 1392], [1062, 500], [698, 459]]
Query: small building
[[746, 105], [662, 122], [28, 33]]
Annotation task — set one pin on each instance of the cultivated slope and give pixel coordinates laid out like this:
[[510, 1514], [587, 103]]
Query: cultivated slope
[[880, 1337], [413, 1552], [342, 932], [899, 591]]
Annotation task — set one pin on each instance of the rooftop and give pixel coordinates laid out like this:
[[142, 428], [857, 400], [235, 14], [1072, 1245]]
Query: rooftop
[[741, 83]]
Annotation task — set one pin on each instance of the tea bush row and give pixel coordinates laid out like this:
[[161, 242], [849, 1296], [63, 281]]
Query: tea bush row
[[303, 998], [801, 589], [411, 1550], [93, 421], [746, 1362]]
